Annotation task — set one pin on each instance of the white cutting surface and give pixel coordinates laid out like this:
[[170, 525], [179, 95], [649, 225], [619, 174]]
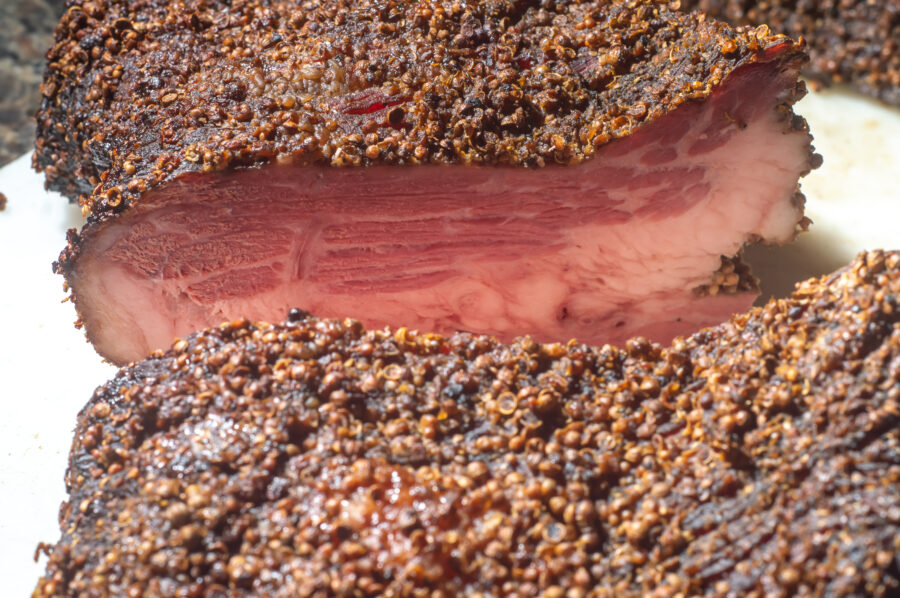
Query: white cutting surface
[[48, 371]]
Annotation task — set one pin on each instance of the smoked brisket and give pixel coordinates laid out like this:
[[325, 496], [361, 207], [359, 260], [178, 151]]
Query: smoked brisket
[[560, 169], [316, 458]]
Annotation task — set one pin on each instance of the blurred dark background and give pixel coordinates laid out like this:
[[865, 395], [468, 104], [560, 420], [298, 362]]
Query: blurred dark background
[[26, 30]]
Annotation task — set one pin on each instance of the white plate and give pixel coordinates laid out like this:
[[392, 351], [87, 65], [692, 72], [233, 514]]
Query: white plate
[[48, 371]]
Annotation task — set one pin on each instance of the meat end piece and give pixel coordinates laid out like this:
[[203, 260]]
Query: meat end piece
[[449, 172], [757, 458], [856, 42]]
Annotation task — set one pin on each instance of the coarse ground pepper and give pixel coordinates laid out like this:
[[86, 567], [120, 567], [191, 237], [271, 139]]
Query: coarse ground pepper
[[856, 42]]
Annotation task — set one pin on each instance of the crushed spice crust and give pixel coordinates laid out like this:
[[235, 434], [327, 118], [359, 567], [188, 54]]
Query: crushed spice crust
[[314, 458], [856, 42], [733, 276], [140, 91]]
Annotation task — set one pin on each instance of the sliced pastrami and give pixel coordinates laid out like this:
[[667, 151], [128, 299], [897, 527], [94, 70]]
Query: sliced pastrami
[[564, 170]]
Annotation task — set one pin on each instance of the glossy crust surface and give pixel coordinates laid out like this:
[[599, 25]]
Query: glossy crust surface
[[313, 458], [140, 91], [850, 41]]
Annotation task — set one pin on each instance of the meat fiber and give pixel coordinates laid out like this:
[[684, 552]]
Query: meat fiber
[[565, 170], [313, 458], [856, 42]]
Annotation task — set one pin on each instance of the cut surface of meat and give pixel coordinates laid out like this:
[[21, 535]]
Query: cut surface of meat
[[856, 42], [758, 458], [591, 192], [599, 251]]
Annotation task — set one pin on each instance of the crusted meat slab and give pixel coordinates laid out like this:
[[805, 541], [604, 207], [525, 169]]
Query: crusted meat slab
[[314, 458], [850, 41], [559, 169]]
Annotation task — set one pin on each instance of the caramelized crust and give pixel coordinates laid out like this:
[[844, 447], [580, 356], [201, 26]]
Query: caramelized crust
[[314, 458], [140, 91]]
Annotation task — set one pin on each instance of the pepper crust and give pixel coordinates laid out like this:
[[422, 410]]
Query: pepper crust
[[856, 42], [140, 91]]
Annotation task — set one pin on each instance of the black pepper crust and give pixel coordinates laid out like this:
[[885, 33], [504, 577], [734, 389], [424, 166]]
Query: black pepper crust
[[314, 458], [140, 91], [850, 41]]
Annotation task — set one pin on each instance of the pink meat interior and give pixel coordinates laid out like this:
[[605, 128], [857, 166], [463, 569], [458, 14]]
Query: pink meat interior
[[600, 251]]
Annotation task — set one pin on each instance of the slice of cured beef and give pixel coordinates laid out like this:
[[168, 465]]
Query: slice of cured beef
[[759, 458], [856, 42], [562, 169]]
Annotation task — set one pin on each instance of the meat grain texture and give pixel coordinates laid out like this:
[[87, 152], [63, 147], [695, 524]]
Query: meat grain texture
[[503, 167], [856, 42], [315, 458]]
